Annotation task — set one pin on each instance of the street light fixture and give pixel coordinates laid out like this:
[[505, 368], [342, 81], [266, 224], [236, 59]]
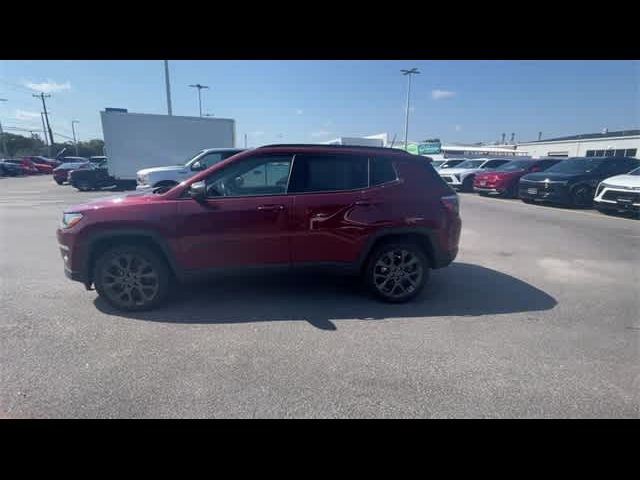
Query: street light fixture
[[75, 142], [199, 87], [408, 73]]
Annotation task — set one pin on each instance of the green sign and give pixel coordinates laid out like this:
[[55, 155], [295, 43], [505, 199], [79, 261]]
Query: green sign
[[423, 148], [429, 148]]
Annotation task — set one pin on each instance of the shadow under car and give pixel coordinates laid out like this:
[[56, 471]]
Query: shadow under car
[[461, 289]]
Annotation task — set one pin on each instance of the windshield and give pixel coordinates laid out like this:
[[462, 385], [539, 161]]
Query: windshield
[[471, 164], [515, 165], [577, 165], [192, 158]]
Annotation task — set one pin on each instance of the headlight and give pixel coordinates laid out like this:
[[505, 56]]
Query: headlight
[[605, 185], [70, 219]]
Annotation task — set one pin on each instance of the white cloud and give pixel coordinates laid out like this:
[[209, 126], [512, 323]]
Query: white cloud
[[458, 128], [440, 94], [257, 133], [25, 115], [320, 133], [48, 86], [299, 111]]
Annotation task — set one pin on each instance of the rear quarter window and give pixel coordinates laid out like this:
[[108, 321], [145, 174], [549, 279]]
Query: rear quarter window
[[381, 170]]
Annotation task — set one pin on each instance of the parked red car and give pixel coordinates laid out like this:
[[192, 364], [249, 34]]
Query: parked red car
[[27, 167], [379, 212], [504, 181]]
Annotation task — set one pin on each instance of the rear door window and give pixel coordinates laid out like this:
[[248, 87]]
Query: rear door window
[[328, 173]]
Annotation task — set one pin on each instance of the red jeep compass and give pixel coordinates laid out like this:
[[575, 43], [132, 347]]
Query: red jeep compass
[[378, 212]]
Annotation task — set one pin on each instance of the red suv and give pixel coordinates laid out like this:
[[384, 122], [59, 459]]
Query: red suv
[[378, 212]]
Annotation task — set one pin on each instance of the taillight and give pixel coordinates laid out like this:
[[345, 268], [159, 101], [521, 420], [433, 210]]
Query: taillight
[[451, 203]]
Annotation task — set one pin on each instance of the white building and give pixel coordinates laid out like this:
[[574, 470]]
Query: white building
[[379, 140], [622, 143]]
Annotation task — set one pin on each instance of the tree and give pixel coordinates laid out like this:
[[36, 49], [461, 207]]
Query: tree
[[20, 146]]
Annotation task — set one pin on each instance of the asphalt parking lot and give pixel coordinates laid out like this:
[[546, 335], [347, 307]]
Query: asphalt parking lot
[[538, 317]]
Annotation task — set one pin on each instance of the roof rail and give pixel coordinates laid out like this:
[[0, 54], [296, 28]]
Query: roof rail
[[333, 146]]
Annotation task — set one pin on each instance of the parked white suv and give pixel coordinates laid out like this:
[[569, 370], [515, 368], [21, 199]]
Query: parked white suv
[[461, 176], [172, 175], [619, 193]]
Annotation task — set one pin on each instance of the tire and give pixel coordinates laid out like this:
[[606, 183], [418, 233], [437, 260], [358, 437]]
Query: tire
[[377, 275], [581, 196], [467, 184], [59, 182], [84, 186], [136, 292], [528, 201], [512, 191]]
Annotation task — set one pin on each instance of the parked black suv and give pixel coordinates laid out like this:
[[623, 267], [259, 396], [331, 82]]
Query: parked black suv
[[574, 180]]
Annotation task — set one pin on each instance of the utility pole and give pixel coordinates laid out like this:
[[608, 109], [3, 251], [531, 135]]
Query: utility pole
[[75, 142], [44, 107], [166, 80], [4, 141], [44, 130], [199, 87], [408, 73], [245, 140]]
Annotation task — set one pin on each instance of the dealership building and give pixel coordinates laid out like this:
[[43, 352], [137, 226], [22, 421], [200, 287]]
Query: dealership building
[[605, 144]]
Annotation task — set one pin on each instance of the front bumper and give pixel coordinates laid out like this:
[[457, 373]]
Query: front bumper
[[452, 181], [617, 199], [75, 265], [545, 192]]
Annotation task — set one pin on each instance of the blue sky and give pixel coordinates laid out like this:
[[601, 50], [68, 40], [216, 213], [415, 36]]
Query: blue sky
[[312, 101]]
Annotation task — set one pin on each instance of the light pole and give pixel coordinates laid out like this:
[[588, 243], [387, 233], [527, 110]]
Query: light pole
[[75, 142], [166, 81], [199, 87], [4, 141], [44, 130], [408, 73]]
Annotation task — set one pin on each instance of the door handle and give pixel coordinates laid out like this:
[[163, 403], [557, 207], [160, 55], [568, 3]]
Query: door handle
[[270, 208], [365, 203]]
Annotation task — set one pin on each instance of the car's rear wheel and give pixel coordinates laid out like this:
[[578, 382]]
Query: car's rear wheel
[[397, 272], [84, 186], [59, 182], [527, 200], [132, 278]]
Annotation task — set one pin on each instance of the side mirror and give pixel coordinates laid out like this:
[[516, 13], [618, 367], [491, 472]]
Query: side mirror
[[198, 191], [197, 166]]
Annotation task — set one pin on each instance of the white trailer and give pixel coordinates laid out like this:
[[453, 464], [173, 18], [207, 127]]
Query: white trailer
[[134, 141]]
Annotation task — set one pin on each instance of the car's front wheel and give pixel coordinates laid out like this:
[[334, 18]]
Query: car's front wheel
[[131, 278], [397, 272], [582, 197]]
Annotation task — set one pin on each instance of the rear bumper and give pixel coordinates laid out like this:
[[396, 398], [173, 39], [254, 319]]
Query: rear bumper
[[495, 191]]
